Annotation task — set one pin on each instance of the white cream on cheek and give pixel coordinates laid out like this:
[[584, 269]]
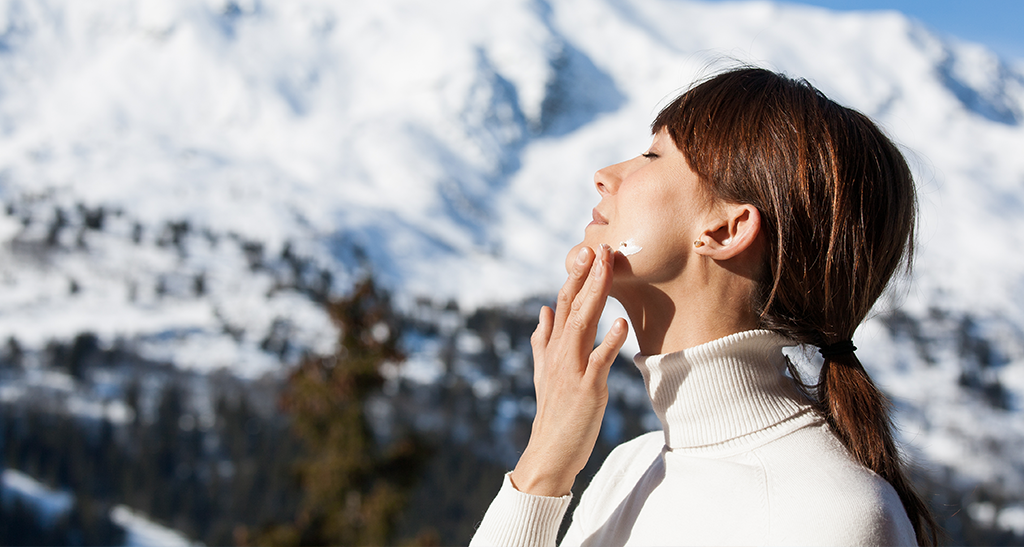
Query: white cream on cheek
[[629, 247]]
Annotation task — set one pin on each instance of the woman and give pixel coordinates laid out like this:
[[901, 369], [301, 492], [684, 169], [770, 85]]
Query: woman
[[763, 215]]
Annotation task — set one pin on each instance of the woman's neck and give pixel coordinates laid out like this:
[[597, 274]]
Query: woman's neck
[[671, 318]]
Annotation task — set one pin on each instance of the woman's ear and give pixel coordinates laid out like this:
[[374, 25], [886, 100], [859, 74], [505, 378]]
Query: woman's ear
[[731, 230]]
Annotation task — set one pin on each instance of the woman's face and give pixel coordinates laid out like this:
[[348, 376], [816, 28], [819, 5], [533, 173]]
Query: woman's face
[[654, 200]]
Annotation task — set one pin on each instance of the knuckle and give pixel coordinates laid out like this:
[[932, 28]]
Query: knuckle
[[537, 338], [565, 295], [579, 323], [579, 301]]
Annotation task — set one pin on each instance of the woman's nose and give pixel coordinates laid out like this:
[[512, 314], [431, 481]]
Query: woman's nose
[[607, 180]]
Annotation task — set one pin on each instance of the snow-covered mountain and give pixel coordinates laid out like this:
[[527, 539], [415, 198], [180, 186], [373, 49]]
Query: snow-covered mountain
[[191, 175]]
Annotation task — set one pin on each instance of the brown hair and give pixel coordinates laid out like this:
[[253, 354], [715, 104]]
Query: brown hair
[[837, 207]]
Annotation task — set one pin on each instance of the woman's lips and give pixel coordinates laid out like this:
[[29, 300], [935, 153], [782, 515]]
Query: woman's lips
[[598, 218]]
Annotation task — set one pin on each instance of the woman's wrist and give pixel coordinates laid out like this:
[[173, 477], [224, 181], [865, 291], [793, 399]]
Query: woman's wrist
[[541, 479]]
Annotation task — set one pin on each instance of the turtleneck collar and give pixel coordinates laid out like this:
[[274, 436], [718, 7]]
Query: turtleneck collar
[[722, 390]]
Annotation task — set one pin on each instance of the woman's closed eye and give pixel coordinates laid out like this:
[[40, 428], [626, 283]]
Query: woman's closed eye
[[649, 155]]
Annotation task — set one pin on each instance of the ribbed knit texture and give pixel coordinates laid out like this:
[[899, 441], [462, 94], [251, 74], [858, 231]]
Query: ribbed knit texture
[[743, 459], [721, 390], [541, 518]]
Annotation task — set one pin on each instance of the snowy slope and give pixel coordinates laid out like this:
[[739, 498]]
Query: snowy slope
[[190, 174], [48, 504]]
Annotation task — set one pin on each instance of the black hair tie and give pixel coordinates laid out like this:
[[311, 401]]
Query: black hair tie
[[838, 348]]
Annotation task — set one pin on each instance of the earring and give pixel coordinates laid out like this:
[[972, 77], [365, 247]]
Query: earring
[[698, 243]]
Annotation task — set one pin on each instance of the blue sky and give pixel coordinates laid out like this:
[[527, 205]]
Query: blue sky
[[998, 24]]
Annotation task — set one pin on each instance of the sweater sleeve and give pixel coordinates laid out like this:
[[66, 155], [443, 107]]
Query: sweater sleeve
[[515, 518]]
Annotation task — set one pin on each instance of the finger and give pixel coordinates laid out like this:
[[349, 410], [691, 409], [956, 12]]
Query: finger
[[580, 268], [542, 334], [539, 342], [589, 302], [603, 356]]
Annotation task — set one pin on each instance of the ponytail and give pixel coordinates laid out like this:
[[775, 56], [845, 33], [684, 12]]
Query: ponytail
[[859, 415]]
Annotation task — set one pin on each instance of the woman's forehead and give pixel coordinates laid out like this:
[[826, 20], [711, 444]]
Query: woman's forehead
[[662, 137]]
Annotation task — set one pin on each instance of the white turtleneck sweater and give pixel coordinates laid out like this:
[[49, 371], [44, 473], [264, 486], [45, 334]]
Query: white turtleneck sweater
[[743, 459]]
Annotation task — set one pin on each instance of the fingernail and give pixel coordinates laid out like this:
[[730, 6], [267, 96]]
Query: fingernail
[[581, 258], [617, 327], [606, 247]]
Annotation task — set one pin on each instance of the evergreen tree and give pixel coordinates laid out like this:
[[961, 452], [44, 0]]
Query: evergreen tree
[[354, 485]]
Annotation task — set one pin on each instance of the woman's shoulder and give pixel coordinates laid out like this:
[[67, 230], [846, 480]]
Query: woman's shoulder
[[818, 493], [622, 471], [629, 460], [651, 442]]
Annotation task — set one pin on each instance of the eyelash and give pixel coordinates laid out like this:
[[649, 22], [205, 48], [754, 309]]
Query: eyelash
[[649, 155]]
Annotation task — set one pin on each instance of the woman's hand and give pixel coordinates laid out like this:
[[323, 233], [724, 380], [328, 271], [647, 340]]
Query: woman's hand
[[571, 378]]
